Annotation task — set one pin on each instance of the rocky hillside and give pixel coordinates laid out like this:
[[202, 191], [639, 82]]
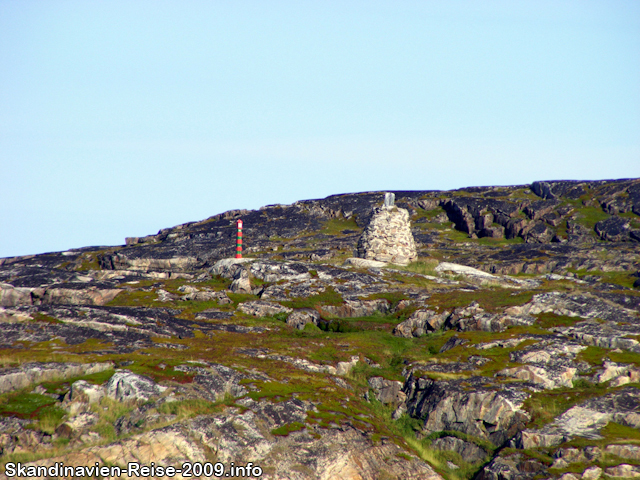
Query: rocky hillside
[[510, 349]]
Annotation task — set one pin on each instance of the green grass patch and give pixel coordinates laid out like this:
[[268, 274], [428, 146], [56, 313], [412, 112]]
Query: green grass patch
[[428, 214], [88, 261], [328, 297], [190, 308], [135, 298], [41, 317], [596, 356], [589, 216], [634, 219], [49, 418], [278, 391], [617, 433], [335, 226], [287, 428], [109, 411], [457, 236], [161, 370], [550, 320], [624, 279], [392, 297], [530, 453], [488, 241], [24, 405]]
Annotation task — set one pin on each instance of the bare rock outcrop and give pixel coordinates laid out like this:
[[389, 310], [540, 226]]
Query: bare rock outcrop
[[586, 420], [512, 467], [462, 319], [358, 308], [261, 308], [387, 391], [213, 381], [468, 406], [301, 317], [419, 323], [469, 451], [31, 373], [125, 385], [241, 282], [83, 391], [548, 363], [11, 296]]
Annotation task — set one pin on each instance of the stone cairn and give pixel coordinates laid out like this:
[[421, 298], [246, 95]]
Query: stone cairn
[[388, 236]]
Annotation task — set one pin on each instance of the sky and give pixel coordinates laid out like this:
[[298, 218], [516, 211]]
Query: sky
[[119, 118]]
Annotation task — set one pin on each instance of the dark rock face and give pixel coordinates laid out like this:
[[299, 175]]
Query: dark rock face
[[568, 189], [614, 229], [512, 467], [469, 451], [468, 406], [127, 327]]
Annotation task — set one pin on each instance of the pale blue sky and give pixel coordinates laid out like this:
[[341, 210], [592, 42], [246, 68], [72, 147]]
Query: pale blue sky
[[118, 118]]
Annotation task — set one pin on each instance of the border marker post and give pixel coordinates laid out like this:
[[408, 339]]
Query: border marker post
[[239, 240]]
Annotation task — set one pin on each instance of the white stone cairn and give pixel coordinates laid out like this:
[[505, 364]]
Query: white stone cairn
[[388, 236]]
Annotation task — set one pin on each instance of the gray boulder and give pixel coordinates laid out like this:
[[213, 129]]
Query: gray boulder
[[198, 296], [241, 282], [419, 323], [125, 385], [82, 390], [624, 451], [299, 318], [538, 233], [227, 267], [387, 391]]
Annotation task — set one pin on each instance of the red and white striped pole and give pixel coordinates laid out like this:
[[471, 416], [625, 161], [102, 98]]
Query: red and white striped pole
[[239, 240]]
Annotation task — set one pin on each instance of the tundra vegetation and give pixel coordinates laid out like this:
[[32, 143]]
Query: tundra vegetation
[[509, 349]]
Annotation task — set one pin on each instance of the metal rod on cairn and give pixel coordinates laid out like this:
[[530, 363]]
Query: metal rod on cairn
[[239, 240]]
